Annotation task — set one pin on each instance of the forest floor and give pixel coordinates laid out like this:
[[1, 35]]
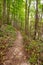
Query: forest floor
[[16, 54]]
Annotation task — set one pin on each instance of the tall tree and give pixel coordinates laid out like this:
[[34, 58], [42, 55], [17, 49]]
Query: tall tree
[[36, 21], [0, 13], [29, 4], [26, 17], [8, 11], [14, 12], [27, 11], [4, 11]]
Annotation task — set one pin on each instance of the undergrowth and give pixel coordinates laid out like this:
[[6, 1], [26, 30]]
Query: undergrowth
[[7, 38], [34, 50]]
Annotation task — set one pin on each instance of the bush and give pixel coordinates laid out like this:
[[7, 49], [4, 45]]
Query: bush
[[8, 30], [35, 52], [7, 38]]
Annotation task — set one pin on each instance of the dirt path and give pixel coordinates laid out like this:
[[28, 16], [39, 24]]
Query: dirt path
[[16, 54]]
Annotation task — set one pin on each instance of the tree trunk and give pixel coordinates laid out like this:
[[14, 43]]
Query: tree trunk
[[27, 11], [4, 11], [8, 11], [26, 18], [0, 14], [36, 21]]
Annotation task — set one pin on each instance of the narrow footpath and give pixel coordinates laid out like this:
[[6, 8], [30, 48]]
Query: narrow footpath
[[16, 54]]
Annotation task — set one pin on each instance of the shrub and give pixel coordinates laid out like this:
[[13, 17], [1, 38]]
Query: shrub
[[35, 52]]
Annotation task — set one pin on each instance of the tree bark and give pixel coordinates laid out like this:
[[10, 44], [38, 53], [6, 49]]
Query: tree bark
[[26, 18], [8, 11], [4, 11], [36, 21], [27, 11]]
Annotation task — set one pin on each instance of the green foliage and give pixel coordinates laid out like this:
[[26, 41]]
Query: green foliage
[[33, 58], [8, 30], [7, 38], [15, 11], [34, 49]]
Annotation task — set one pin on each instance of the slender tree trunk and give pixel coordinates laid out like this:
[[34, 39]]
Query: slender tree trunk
[[0, 14], [27, 11], [8, 11], [4, 11], [26, 18], [14, 15], [36, 21], [39, 34]]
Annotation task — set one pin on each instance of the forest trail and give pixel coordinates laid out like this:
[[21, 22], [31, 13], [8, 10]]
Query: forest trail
[[16, 54]]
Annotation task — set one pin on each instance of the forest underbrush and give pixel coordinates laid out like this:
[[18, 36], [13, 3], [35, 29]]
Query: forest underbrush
[[7, 38], [34, 50]]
